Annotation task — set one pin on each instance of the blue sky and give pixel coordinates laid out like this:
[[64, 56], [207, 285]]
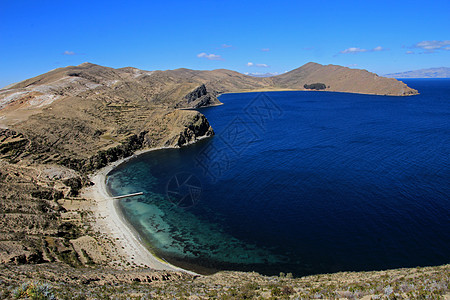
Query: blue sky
[[246, 36]]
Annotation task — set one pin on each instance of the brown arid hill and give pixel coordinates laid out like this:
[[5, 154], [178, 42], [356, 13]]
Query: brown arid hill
[[178, 88], [342, 79], [59, 127], [88, 115]]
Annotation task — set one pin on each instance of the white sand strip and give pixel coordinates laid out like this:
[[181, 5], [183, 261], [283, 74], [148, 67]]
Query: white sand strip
[[111, 222]]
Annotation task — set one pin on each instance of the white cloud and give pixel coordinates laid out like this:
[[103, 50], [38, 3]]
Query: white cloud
[[226, 46], [68, 52], [379, 48], [250, 64], [265, 49], [431, 46], [209, 56], [355, 50], [409, 52]]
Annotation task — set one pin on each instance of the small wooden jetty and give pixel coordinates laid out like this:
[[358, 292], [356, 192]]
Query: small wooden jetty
[[128, 195]]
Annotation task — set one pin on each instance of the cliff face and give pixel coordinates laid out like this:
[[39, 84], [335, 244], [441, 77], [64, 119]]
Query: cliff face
[[184, 127], [198, 97], [187, 127], [84, 147]]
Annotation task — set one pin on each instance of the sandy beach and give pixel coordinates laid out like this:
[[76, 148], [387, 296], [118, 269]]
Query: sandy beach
[[109, 221]]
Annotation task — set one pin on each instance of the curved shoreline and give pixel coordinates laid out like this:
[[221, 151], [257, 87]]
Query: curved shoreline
[[111, 221]]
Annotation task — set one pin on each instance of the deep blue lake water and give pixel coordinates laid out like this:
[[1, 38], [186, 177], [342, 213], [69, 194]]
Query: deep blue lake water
[[301, 182]]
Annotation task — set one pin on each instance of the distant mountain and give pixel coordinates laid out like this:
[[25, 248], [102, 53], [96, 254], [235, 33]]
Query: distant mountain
[[441, 72]]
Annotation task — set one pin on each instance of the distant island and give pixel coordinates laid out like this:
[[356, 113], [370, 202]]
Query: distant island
[[441, 72]]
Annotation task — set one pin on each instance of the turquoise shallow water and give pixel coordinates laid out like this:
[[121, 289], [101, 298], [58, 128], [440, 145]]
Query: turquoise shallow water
[[302, 182], [174, 232]]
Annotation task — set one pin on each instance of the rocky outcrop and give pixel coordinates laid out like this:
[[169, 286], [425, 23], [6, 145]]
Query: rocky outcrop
[[104, 157], [197, 93], [100, 276], [12, 144], [189, 126], [185, 128], [199, 97]]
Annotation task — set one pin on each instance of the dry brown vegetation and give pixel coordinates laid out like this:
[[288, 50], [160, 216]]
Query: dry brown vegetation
[[103, 283]]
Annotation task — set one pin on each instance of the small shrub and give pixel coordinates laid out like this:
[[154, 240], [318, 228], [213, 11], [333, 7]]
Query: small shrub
[[287, 290], [34, 291], [388, 290], [75, 185], [276, 291]]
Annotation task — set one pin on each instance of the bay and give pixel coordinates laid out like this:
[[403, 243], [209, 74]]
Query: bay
[[301, 182]]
